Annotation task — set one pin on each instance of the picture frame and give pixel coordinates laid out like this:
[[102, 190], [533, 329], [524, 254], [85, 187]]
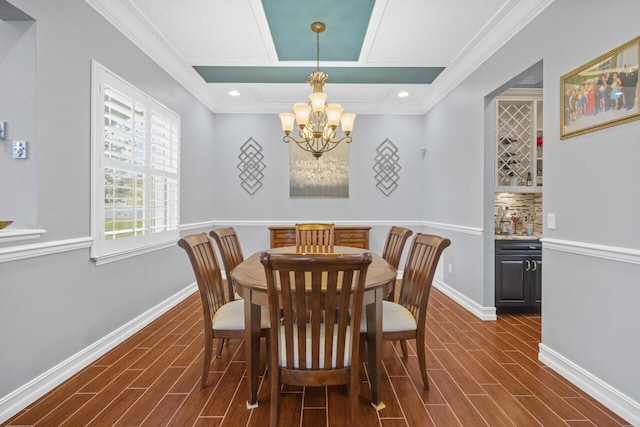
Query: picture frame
[[327, 176], [601, 93]]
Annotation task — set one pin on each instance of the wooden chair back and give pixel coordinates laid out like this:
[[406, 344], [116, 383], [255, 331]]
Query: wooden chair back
[[231, 253], [392, 251], [317, 301], [418, 273], [315, 238], [394, 245], [204, 262]]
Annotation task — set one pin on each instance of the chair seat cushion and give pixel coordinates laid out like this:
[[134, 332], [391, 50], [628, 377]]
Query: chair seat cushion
[[231, 316], [394, 318], [282, 347]]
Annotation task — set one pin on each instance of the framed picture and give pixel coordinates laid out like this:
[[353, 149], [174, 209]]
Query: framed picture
[[601, 93], [327, 176]]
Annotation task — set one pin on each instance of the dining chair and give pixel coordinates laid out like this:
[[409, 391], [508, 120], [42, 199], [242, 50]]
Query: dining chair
[[392, 251], [231, 253], [316, 299], [223, 319], [406, 319], [312, 238]]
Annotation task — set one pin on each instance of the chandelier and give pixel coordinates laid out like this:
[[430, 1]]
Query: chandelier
[[317, 121]]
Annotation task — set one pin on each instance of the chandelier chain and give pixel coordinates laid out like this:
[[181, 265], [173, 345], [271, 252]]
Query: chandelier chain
[[318, 51]]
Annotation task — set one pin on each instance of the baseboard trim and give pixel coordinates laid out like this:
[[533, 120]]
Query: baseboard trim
[[609, 396], [484, 313], [22, 397]]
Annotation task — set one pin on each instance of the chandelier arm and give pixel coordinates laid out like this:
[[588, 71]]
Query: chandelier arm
[[306, 146]]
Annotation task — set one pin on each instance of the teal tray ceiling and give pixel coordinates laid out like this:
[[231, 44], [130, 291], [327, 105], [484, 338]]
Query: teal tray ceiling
[[353, 75], [290, 25]]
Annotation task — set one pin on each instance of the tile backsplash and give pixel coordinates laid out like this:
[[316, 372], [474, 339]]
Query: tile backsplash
[[525, 204]]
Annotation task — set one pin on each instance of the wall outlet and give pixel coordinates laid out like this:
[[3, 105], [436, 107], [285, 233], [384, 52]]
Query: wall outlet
[[19, 149], [450, 269], [551, 221]]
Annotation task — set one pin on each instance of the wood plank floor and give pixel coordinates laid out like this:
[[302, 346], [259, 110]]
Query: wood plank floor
[[481, 374]]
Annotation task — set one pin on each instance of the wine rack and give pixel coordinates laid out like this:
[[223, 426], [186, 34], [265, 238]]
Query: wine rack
[[518, 125], [515, 131]]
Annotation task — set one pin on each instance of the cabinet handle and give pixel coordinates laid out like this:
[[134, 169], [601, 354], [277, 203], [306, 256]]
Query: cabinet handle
[[528, 265], [535, 266]]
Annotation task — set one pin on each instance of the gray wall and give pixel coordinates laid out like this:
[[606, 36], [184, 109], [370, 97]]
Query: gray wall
[[19, 177], [588, 314], [52, 307], [271, 205]]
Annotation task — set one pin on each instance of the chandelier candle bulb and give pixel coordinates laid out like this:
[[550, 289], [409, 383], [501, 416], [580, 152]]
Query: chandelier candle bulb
[[287, 120], [347, 122], [318, 100], [334, 112]]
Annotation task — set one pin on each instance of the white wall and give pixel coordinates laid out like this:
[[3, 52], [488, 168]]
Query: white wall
[[589, 325]]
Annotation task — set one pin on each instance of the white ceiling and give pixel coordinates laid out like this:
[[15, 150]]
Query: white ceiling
[[456, 34]]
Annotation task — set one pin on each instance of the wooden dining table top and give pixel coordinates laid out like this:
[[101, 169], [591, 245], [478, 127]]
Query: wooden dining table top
[[250, 273]]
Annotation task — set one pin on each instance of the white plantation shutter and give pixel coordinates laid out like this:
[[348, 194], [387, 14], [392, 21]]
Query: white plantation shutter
[[135, 169], [164, 158]]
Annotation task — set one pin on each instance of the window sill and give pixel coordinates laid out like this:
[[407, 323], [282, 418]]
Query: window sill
[[20, 234], [105, 259]]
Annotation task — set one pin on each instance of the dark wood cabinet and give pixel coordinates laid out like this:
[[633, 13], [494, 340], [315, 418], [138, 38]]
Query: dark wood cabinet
[[518, 282], [355, 236]]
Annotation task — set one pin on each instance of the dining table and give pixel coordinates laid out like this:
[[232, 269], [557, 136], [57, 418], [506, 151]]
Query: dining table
[[250, 282]]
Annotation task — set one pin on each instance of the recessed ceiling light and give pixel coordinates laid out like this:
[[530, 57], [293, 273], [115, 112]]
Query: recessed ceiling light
[[234, 93], [403, 94]]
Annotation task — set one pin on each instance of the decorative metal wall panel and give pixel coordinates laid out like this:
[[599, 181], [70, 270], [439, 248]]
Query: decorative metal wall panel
[[251, 166], [386, 167]]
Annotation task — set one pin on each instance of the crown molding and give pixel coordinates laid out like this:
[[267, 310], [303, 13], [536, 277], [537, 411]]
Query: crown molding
[[125, 17], [501, 32], [126, 21]]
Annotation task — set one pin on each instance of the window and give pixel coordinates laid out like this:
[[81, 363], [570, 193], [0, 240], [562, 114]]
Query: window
[[135, 170]]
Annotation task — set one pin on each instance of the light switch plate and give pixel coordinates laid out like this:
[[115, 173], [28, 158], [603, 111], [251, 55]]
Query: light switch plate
[[19, 149], [551, 221]]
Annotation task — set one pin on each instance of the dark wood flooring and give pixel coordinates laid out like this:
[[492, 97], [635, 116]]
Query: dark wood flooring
[[482, 373]]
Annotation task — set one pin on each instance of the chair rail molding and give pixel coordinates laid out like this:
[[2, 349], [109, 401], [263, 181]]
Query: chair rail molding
[[474, 231], [13, 253], [611, 253]]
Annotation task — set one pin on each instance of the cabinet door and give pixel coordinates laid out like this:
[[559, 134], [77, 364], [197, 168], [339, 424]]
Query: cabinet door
[[511, 286], [535, 278]]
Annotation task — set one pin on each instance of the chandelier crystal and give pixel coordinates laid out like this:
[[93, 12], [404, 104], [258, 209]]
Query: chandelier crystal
[[317, 121]]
